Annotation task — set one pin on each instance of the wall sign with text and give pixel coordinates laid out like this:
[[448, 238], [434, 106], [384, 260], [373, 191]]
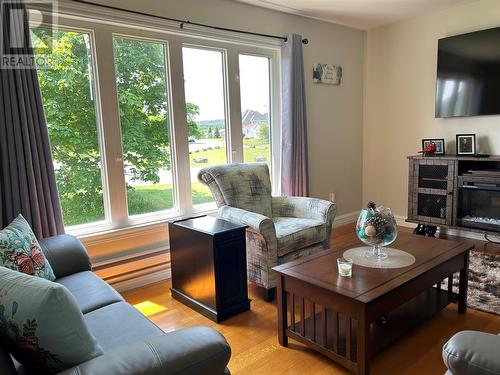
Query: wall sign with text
[[327, 73]]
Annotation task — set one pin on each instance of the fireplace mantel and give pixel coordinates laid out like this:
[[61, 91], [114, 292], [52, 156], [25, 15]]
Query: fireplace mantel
[[457, 157], [459, 192]]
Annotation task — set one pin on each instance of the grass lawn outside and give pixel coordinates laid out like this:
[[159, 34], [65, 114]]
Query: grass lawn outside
[[141, 200], [214, 157], [151, 198], [250, 154], [252, 148]]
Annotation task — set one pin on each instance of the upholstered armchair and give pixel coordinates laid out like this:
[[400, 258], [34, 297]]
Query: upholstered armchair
[[280, 229]]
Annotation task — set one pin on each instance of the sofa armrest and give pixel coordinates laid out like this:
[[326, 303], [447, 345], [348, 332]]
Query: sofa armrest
[[257, 222], [472, 353], [66, 254], [190, 351], [303, 207]]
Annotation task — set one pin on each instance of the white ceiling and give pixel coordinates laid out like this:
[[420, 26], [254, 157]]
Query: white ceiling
[[361, 14]]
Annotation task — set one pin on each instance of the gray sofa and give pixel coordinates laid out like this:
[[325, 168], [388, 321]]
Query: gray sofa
[[132, 344], [472, 353]]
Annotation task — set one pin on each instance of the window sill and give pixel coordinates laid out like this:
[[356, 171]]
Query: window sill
[[136, 223]]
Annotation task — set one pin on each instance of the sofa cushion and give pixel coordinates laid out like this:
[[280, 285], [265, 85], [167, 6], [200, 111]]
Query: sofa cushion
[[188, 351], [20, 250], [66, 254], [90, 291], [41, 324], [294, 233], [119, 324]]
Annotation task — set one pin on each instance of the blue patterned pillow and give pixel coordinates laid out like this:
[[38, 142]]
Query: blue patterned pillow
[[20, 250], [42, 325]]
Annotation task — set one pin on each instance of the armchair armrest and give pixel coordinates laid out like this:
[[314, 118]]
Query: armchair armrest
[[472, 353], [257, 222], [190, 351], [262, 244], [66, 254], [303, 207]]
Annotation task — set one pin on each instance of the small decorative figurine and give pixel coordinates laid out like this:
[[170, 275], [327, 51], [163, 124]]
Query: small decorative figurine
[[429, 150]]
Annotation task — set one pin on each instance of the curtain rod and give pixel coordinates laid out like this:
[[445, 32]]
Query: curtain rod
[[187, 22]]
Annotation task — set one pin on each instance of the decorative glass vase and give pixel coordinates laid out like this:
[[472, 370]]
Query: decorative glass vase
[[376, 227]]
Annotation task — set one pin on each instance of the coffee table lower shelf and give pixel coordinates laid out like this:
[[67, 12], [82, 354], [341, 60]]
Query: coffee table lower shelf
[[330, 332]]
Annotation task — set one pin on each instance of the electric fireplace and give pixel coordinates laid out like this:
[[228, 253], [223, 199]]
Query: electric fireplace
[[479, 201]]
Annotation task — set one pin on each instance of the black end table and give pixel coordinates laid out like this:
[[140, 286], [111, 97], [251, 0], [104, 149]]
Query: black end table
[[209, 268]]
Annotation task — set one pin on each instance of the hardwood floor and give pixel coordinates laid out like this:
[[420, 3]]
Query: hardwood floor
[[254, 342]]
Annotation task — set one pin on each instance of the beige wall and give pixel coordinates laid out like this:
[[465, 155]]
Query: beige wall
[[399, 98], [334, 113]]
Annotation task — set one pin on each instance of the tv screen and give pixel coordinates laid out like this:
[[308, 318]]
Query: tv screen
[[468, 74]]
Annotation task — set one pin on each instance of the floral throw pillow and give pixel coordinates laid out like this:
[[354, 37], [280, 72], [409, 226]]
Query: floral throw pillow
[[20, 250]]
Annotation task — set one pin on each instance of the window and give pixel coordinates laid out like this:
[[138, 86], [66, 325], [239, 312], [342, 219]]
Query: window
[[135, 112], [255, 108], [142, 95], [206, 114], [68, 94]]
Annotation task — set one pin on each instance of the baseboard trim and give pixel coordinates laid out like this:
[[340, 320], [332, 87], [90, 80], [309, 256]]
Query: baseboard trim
[[142, 280], [401, 221], [345, 219], [463, 234]]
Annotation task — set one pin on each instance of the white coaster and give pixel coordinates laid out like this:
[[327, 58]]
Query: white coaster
[[395, 258]]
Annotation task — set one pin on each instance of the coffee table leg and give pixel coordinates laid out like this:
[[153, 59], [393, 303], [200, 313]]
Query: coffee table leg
[[462, 285], [282, 313], [362, 346]]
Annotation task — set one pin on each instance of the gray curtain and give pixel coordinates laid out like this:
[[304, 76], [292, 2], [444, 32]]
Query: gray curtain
[[27, 179], [294, 171]]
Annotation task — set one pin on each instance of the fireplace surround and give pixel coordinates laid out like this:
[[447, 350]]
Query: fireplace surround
[[455, 192]]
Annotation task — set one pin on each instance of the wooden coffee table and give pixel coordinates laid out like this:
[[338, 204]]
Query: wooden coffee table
[[351, 319]]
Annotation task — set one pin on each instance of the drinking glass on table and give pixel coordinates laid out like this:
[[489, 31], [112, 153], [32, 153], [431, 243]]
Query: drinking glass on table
[[344, 266]]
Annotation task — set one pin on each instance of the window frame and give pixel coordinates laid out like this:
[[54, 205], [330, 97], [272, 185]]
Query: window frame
[[105, 223], [227, 113], [156, 215], [101, 33], [274, 131]]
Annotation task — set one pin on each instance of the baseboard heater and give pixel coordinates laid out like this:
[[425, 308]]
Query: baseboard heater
[[136, 270]]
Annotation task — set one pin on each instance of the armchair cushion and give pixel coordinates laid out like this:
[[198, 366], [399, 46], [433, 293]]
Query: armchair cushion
[[245, 186], [295, 233]]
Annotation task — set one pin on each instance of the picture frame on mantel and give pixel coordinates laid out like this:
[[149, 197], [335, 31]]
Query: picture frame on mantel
[[439, 142], [466, 144]]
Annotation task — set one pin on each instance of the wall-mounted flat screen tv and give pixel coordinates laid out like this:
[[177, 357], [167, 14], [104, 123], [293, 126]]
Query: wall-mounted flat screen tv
[[468, 74]]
